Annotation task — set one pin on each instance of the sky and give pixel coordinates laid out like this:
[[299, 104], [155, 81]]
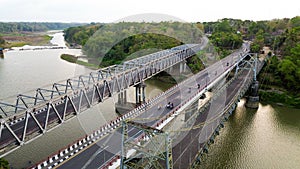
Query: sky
[[113, 10]]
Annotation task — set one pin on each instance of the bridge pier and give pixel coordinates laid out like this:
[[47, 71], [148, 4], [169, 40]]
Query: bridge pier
[[122, 97], [182, 67], [140, 96], [253, 98], [123, 106]]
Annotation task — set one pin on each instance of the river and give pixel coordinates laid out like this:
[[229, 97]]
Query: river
[[26, 70], [252, 139], [265, 138]]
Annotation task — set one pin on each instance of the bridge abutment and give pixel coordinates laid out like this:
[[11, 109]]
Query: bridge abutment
[[253, 98]]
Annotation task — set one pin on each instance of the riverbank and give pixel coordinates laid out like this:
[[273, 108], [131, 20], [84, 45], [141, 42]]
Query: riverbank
[[272, 89], [280, 98], [273, 93], [74, 59], [19, 39]]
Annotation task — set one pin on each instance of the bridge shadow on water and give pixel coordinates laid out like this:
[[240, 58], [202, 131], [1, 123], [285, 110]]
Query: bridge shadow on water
[[234, 140]]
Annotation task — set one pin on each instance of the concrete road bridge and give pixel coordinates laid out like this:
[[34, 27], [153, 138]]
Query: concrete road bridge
[[179, 134]]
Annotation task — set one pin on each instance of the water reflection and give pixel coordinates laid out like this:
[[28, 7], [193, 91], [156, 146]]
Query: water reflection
[[266, 138]]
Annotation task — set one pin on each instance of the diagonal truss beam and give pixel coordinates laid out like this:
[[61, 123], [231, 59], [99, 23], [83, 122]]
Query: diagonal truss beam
[[64, 99]]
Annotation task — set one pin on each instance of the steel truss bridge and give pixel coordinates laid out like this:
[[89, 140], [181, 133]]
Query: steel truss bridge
[[31, 116]]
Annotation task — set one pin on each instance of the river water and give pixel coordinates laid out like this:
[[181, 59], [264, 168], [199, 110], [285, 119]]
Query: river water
[[27, 70], [265, 138], [257, 139]]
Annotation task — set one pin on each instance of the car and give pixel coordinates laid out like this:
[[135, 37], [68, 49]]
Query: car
[[170, 105]]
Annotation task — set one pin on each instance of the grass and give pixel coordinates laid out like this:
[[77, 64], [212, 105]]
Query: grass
[[21, 39], [15, 44], [73, 59], [69, 58]]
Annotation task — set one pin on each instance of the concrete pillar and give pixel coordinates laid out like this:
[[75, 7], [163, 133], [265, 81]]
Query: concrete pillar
[[125, 97], [119, 98], [140, 95], [180, 67], [137, 93], [253, 98], [184, 67], [121, 95], [143, 92]]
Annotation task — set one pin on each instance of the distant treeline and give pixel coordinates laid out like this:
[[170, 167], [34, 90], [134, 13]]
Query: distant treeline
[[7, 27]]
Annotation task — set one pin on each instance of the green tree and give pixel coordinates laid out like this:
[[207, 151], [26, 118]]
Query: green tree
[[288, 71], [223, 26], [4, 164], [295, 22]]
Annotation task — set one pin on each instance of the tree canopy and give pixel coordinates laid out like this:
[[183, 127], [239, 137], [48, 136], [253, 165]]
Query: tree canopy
[[225, 35]]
